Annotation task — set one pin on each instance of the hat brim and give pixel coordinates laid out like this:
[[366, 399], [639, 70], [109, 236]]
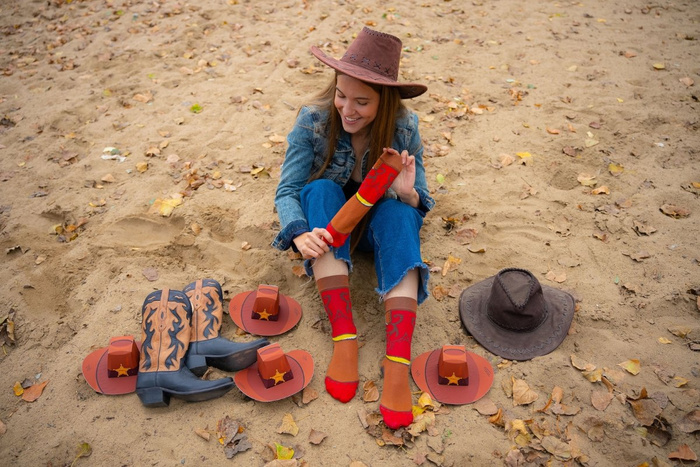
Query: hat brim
[[509, 344], [95, 374], [241, 312], [249, 382], [424, 370], [406, 90]]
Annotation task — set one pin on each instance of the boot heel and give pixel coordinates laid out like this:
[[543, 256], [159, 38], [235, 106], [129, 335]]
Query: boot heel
[[196, 363], [153, 397]]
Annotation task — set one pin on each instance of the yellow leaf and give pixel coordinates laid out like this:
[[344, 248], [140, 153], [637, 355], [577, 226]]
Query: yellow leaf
[[586, 179], [620, 100], [663, 340], [19, 390], [417, 410], [659, 66], [594, 375], [632, 366], [165, 207], [696, 185], [679, 381], [426, 401], [523, 155], [284, 452], [142, 167], [602, 190], [615, 169]]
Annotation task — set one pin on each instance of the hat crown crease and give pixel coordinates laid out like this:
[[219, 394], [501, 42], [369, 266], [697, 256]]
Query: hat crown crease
[[516, 301]]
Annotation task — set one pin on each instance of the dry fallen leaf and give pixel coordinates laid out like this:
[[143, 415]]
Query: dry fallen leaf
[[371, 391], [586, 179], [581, 365], [684, 453], [34, 391], [485, 406], [316, 437], [556, 276], [288, 426], [632, 366], [522, 394], [677, 212], [601, 399]]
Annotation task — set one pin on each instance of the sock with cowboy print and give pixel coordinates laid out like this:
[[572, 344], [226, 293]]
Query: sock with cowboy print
[[396, 404], [342, 376]]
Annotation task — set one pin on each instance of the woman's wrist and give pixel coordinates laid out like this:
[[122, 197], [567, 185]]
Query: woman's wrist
[[411, 198]]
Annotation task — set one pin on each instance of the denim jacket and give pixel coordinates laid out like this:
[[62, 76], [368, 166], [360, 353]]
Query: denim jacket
[[305, 155]]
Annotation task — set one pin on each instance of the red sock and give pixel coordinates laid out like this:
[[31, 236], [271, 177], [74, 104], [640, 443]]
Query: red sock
[[396, 403], [342, 376]]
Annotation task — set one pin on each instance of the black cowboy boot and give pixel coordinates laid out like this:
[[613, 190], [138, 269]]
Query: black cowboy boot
[[207, 348], [164, 342]]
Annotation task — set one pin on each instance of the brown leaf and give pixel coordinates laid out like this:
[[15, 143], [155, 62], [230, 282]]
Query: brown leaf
[[557, 447], [690, 423], [371, 392], [34, 391], [553, 131], [684, 453], [522, 394], [316, 437], [601, 399], [645, 410], [389, 438], [439, 292], [150, 273], [556, 277], [677, 212], [298, 270], [465, 235], [146, 97], [497, 418], [308, 394], [485, 406]]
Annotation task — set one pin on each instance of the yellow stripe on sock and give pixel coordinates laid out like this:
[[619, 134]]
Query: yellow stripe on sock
[[362, 200], [398, 360], [344, 337]]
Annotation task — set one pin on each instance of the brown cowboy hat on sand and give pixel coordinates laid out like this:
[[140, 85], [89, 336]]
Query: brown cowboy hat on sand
[[276, 374], [113, 369], [373, 57], [513, 316], [451, 375], [265, 311]]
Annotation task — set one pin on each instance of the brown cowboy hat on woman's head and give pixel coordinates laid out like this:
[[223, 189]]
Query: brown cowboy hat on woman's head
[[373, 57], [513, 316]]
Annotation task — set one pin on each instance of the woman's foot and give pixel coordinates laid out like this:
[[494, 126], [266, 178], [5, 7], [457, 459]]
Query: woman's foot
[[342, 377], [396, 404]]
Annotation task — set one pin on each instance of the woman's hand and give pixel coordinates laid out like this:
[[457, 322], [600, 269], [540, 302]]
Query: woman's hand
[[312, 244], [406, 179]]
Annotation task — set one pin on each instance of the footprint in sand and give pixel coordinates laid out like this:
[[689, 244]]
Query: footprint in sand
[[140, 232]]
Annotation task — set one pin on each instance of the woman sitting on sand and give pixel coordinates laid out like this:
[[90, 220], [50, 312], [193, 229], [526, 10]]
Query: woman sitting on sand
[[335, 142]]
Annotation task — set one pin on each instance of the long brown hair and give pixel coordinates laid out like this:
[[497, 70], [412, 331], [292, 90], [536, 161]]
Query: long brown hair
[[381, 132]]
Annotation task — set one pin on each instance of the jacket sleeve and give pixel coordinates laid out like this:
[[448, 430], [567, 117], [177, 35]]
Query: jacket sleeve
[[295, 173], [415, 147]]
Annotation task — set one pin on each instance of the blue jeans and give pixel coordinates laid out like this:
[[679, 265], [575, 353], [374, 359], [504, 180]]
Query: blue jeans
[[392, 234]]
